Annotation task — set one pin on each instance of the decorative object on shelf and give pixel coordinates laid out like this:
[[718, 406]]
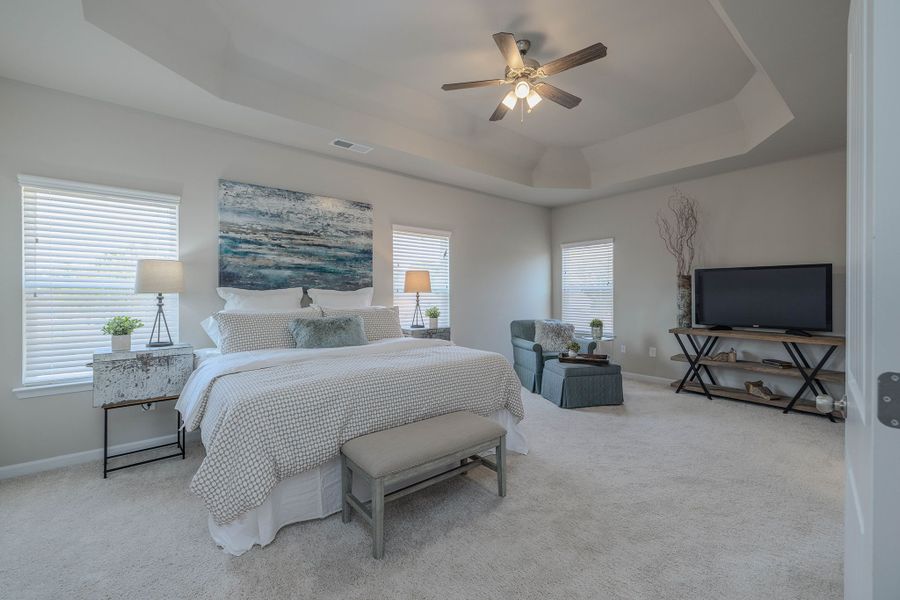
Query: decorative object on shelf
[[418, 282], [271, 238], [725, 356], [679, 233], [778, 363], [433, 313], [573, 348], [120, 329], [758, 389], [159, 277], [597, 329]]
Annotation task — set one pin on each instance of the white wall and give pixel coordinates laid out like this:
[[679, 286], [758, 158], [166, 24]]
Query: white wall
[[499, 248], [786, 212]]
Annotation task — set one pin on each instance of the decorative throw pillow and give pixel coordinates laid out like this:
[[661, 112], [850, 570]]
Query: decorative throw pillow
[[329, 332], [243, 331], [379, 322], [361, 298], [281, 300], [553, 335]]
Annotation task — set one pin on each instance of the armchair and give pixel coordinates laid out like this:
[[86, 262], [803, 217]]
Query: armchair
[[529, 357]]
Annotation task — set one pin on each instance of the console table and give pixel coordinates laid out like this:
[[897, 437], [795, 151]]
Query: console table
[[703, 342]]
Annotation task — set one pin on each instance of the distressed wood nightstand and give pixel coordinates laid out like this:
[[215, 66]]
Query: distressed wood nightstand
[[438, 333], [138, 377]]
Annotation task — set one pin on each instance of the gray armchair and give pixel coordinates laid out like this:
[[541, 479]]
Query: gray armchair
[[529, 357]]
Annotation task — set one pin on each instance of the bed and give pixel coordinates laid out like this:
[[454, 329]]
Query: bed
[[272, 421]]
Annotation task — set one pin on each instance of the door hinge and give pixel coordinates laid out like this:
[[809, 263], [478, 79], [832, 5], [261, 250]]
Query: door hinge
[[889, 399]]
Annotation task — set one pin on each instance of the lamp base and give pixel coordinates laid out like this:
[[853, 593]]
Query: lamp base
[[159, 344], [417, 321], [158, 323]]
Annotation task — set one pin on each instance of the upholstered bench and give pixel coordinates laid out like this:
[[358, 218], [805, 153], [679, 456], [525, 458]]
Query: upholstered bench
[[575, 385], [415, 450]]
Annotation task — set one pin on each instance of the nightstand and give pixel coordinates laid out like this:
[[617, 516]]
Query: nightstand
[[436, 333], [136, 377]]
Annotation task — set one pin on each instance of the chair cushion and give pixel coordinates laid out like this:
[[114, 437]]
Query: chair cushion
[[553, 335], [401, 448], [580, 369]]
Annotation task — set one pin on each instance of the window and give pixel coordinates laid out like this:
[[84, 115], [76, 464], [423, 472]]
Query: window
[[425, 250], [81, 243], [587, 285]]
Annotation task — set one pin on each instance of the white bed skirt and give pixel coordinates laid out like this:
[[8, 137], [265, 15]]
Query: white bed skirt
[[313, 494]]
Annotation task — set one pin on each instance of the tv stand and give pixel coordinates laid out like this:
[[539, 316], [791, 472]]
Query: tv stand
[[700, 364], [797, 332]]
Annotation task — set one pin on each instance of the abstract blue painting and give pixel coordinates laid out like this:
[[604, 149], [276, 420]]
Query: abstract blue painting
[[271, 238]]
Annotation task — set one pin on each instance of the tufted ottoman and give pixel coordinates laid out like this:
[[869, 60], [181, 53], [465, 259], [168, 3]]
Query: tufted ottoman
[[573, 385]]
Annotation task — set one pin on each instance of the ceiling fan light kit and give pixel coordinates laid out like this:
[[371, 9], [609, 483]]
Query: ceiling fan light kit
[[527, 75]]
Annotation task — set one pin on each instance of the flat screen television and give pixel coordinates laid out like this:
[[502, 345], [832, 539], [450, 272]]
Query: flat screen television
[[796, 297]]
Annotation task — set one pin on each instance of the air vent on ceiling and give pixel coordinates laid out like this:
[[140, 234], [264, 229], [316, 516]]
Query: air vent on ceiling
[[353, 147]]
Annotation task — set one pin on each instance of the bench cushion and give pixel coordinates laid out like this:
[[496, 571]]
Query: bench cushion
[[580, 369], [401, 448]]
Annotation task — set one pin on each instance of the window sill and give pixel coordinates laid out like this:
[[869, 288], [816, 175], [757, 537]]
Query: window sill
[[53, 389]]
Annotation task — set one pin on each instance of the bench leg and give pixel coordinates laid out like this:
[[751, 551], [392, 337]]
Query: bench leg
[[346, 489], [501, 467], [378, 517]]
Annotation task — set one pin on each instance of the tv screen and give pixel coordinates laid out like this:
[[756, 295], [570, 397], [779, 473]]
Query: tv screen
[[780, 297]]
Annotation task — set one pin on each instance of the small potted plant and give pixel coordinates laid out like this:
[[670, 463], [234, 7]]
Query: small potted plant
[[121, 328], [433, 313], [573, 348], [597, 329]]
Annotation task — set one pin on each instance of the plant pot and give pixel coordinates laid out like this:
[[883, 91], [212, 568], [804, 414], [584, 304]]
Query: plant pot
[[120, 342], [597, 332], [573, 354], [683, 300], [432, 323]]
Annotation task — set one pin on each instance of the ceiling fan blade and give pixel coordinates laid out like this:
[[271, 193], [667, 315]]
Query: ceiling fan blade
[[499, 112], [554, 94], [464, 85], [507, 44], [575, 59]]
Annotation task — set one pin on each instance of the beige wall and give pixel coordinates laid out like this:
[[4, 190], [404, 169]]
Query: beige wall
[[499, 248], [786, 212]]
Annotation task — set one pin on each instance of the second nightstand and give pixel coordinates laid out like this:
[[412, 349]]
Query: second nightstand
[[437, 333]]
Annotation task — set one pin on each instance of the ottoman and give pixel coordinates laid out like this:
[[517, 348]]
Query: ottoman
[[574, 385]]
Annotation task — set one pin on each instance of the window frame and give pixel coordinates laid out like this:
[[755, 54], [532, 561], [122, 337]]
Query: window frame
[[29, 183], [609, 322], [444, 320]]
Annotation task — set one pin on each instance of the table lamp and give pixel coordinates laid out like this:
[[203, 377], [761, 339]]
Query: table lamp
[[158, 277], [418, 282]]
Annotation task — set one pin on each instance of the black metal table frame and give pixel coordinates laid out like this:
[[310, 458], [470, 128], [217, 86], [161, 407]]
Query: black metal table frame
[[180, 439], [809, 374]]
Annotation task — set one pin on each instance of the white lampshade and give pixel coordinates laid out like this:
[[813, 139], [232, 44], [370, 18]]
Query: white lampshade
[[159, 277], [417, 281]]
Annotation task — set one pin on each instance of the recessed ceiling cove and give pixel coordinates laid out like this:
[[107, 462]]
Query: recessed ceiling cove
[[663, 86]]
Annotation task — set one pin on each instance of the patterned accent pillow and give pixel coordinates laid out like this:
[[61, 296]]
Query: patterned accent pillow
[[553, 335], [243, 331], [379, 322], [329, 332]]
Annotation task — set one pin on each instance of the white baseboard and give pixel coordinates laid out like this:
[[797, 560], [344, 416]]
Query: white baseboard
[[76, 458], [647, 378]]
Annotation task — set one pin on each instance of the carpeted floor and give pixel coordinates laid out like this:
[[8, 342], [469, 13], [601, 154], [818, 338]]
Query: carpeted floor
[[666, 497]]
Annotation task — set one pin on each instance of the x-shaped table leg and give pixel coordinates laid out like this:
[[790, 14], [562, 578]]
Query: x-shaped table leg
[[809, 377], [694, 363]]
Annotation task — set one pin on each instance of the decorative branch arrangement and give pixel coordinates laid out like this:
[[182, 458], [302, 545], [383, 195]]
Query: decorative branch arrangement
[[679, 230]]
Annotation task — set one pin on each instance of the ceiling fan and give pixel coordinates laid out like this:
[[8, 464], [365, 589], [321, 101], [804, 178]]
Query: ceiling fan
[[527, 75]]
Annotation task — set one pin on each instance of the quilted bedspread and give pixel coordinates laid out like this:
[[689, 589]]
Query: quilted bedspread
[[268, 415]]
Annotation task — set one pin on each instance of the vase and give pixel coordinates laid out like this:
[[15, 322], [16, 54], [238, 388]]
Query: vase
[[119, 343], [684, 301], [573, 354], [597, 332], [432, 323]]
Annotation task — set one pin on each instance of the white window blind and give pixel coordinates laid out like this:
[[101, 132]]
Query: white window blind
[[81, 244], [587, 285], [422, 250]]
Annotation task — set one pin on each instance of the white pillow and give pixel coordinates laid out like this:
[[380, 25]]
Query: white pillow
[[211, 327], [261, 300], [378, 321], [361, 298]]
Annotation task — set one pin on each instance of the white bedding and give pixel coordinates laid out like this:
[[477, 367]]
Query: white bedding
[[270, 416]]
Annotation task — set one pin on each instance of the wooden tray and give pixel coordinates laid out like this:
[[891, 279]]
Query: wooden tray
[[586, 359]]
